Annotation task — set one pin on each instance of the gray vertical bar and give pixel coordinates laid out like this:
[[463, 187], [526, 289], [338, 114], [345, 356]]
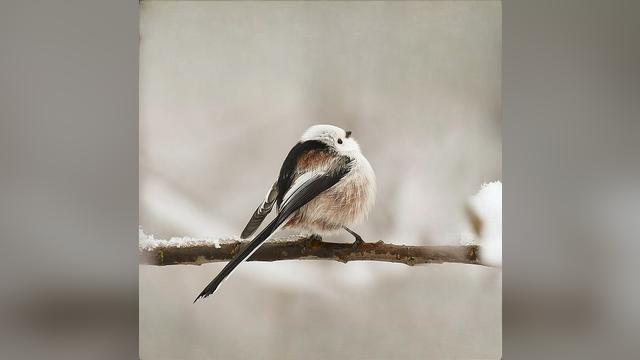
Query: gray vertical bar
[[69, 179]]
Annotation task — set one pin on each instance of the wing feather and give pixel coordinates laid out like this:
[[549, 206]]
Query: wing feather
[[261, 212]]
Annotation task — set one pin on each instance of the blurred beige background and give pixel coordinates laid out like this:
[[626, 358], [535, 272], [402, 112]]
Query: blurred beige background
[[225, 91]]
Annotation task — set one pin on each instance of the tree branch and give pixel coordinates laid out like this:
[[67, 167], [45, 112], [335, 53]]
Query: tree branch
[[298, 248]]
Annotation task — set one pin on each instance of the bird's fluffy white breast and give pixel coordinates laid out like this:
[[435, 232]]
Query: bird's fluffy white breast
[[363, 174], [344, 204]]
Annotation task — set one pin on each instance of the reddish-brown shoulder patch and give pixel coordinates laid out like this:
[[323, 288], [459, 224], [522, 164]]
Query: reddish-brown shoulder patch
[[313, 159]]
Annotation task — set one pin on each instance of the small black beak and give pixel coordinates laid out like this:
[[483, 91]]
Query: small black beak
[[348, 133]]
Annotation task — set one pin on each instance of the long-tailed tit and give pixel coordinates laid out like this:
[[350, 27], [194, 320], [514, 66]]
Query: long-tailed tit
[[325, 184]]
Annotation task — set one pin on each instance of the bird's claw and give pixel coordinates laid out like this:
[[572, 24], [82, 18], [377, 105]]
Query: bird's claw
[[357, 243], [315, 237], [310, 240]]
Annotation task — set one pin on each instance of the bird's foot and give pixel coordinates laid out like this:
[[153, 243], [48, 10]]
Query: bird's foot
[[357, 242], [311, 240], [315, 237]]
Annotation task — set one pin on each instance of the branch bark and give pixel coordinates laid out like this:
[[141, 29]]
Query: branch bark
[[309, 248]]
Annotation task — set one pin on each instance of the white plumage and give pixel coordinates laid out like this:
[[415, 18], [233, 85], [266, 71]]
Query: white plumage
[[325, 184], [350, 200]]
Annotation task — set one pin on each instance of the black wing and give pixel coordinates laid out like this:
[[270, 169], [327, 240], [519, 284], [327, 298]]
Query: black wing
[[285, 179], [288, 169], [304, 190]]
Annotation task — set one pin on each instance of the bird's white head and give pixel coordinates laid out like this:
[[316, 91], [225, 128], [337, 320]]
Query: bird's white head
[[335, 137]]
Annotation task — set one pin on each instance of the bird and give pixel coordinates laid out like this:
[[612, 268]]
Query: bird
[[325, 185]]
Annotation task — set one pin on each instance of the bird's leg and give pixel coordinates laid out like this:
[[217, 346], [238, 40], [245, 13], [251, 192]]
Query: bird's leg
[[358, 240]]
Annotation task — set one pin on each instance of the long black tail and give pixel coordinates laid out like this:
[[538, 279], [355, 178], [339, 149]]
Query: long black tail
[[300, 195], [245, 253]]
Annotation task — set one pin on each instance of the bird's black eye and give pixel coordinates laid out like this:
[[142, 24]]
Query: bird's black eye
[[339, 141]]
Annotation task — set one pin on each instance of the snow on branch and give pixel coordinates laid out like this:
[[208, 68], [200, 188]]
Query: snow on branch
[[200, 251]]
